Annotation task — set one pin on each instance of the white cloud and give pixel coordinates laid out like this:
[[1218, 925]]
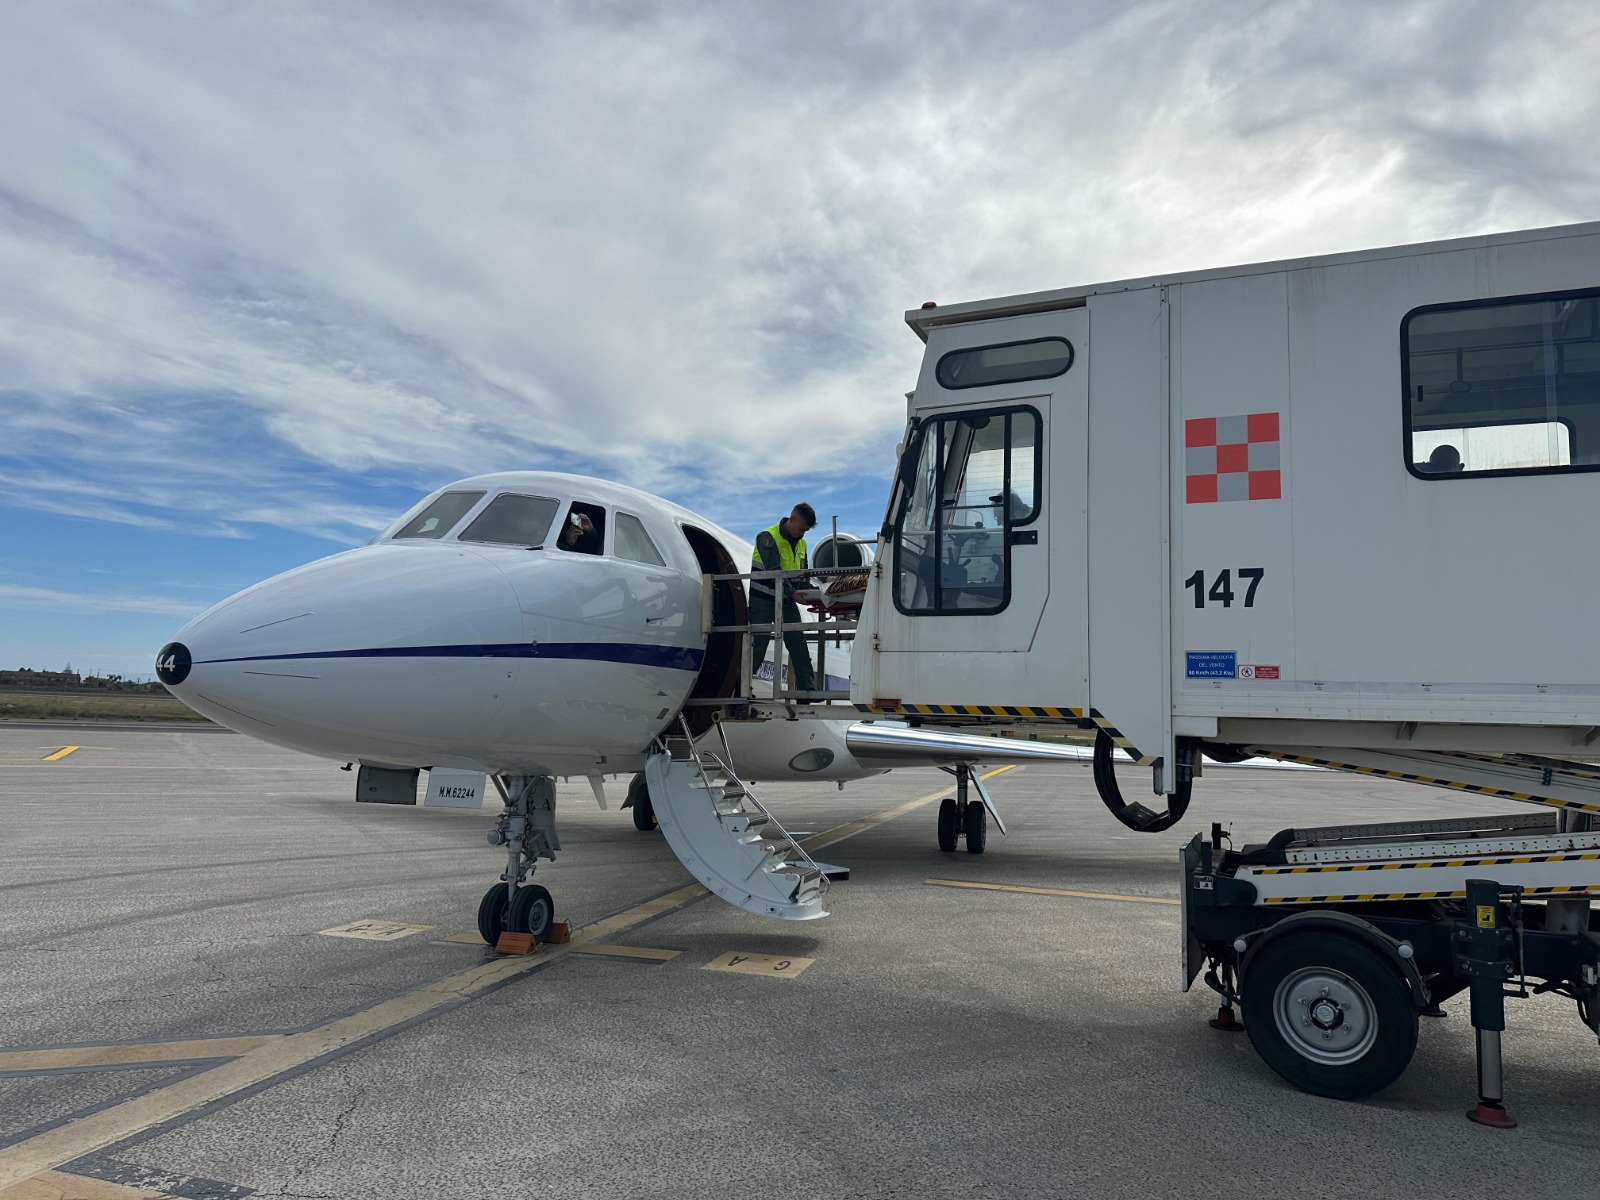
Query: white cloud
[[36, 597], [672, 241]]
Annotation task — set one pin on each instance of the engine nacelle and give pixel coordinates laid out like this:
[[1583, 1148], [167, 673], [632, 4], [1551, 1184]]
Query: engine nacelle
[[785, 751], [843, 550]]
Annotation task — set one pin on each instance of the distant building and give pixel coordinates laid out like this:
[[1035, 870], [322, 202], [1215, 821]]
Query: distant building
[[28, 677]]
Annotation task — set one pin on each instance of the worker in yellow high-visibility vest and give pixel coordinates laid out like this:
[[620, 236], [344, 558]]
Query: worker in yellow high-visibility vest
[[782, 548]]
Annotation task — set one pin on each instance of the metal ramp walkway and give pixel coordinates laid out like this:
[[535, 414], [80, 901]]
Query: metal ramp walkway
[[725, 837]]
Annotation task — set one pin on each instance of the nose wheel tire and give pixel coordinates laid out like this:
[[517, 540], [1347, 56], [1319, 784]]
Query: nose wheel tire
[[494, 914], [976, 820], [533, 911], [1329, 1014], [949, 824], [644, 813]]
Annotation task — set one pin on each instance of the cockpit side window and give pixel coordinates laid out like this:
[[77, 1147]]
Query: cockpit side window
[[633, 542], [584, 530], [440, 517], [512, 520]]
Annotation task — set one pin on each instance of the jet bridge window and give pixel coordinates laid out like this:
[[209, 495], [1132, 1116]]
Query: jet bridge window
[[1008, 362], [1503, 387], [969, 480], [512, 520], [440, 517], [634, 544]]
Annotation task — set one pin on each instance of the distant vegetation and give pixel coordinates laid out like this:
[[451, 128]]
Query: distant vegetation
[[29, 695]]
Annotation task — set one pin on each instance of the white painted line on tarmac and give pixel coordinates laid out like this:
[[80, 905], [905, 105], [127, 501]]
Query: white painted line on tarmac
[[369, 930]]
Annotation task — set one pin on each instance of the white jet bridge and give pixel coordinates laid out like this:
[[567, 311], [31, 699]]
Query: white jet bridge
[[1334, 511]]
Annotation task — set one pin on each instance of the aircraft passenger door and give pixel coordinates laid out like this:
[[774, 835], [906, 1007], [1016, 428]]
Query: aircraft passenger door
[[981, 517]]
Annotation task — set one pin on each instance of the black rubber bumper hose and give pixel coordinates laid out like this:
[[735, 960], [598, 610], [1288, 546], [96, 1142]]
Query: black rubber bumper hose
[[1136, 816]]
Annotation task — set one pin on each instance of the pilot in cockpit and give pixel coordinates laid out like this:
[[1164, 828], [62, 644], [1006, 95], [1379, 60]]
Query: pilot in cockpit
[[580, 534]]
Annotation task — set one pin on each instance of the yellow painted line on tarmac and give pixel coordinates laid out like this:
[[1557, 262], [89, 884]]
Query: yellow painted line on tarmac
[[133, 1054], [58, 1185], [32, 1158], [45, 1151], [829, 836], [652, 952], [1037, 891], [61, 753]]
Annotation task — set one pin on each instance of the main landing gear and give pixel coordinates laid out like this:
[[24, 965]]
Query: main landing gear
[[962, 817], [527, 829], [644, 812]]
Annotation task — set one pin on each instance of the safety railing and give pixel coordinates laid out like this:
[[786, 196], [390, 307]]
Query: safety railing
[[831, 595]]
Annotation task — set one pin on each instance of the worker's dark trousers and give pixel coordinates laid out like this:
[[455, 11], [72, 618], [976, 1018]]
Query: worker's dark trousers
[[799, 649]]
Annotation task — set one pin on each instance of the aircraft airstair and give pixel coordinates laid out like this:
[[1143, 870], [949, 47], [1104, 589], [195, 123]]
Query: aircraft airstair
[[726, 838]]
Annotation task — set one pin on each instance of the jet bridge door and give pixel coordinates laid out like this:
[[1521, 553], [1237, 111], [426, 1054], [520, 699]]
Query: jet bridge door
[[990, 482]]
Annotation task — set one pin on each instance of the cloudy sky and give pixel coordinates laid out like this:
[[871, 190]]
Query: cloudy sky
[[269, 272]]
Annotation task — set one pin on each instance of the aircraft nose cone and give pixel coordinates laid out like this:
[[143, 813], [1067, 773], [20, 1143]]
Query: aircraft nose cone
[[173, 663], [335, 656]]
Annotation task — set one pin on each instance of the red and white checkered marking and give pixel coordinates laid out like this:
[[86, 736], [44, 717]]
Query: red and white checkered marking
[[1232, 458]]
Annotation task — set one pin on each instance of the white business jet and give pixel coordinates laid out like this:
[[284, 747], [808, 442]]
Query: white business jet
[[530, 625]]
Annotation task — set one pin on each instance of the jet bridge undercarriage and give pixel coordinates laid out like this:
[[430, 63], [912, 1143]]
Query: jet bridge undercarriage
[[1334, 940]]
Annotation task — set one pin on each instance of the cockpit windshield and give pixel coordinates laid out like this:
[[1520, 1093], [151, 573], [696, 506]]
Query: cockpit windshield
[[440, 517], [512, 520]]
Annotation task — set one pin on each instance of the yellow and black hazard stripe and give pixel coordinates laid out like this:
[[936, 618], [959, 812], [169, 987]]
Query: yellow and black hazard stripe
[[1500, 860], [1122, 743], [1035, 712], [1016, 712], [1435, 781], [1556, 766], [1575, 890]]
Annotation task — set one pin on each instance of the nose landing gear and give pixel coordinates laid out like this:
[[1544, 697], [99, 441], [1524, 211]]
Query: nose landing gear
[[527, 829]]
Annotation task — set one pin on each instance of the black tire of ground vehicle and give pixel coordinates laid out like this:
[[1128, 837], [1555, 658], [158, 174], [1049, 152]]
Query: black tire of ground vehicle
[[533, 911], [977, 821], [1319, 958], [494, 913], [644, 813], [949, 824]]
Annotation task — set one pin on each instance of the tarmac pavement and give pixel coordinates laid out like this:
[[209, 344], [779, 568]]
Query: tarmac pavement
[[175, 1019]]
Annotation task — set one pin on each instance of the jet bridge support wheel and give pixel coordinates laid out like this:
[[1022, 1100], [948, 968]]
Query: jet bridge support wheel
[[1329, 1015]]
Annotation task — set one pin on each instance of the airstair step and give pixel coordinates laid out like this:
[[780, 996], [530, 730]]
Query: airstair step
[[806, 869], [727, 840]]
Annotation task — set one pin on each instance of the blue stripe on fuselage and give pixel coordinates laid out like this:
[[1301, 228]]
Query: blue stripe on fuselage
[[675, 658]]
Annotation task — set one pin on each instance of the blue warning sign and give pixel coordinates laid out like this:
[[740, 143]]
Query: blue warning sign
[[1212, 664]]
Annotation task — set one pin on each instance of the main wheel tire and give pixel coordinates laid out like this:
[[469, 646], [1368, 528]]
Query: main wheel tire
[[1329, 1014], [644, 813], [533, 911], [494, 913], [977, 827], [949, 824]]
